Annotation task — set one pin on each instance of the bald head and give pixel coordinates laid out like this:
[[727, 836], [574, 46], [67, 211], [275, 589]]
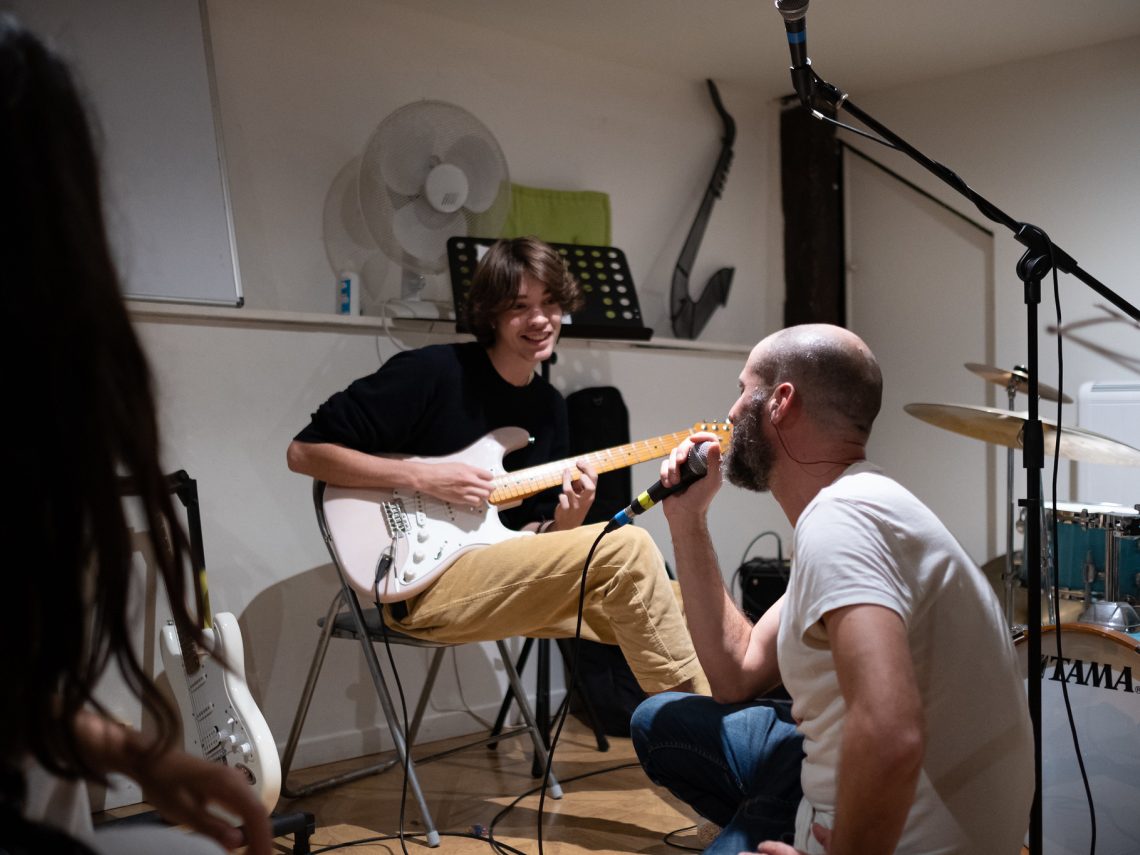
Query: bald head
[[833, 371]]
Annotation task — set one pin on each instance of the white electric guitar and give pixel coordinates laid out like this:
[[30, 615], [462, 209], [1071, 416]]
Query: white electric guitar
[[220, 720], [394, 543]]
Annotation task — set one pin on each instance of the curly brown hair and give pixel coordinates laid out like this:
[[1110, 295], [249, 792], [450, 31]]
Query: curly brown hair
[[496, 281]]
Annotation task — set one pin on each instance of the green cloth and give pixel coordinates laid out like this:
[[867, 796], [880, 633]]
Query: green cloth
[[559, 216]]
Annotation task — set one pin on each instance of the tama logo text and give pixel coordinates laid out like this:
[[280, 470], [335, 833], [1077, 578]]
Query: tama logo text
[[1082, 673]]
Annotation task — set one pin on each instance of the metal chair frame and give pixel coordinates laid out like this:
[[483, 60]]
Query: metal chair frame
[[347, 619]]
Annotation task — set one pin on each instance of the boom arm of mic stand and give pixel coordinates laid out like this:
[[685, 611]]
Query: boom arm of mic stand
[[1024, 233]]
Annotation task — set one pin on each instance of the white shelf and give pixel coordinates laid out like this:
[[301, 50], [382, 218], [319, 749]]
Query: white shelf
[[227, 316]]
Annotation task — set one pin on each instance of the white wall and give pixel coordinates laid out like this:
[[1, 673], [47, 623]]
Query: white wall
[[1053, 142], [301, 86]]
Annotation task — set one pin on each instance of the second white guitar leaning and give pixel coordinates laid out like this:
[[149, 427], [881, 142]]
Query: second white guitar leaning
[[220, 720]]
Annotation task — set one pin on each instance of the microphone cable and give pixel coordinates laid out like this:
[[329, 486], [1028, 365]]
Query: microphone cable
[[1054, 535], [564, 711], [400, 833]]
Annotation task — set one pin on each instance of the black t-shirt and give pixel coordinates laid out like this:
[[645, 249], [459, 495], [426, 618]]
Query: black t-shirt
[[438, 400]]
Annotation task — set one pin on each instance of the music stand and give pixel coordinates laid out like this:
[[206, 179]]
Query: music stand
[[611, 310]]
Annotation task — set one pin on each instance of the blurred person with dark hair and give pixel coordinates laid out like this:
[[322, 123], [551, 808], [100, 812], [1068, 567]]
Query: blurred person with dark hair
[[438, 400], [89, 423]]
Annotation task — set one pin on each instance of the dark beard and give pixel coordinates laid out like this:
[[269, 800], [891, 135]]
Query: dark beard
[[748, 463]]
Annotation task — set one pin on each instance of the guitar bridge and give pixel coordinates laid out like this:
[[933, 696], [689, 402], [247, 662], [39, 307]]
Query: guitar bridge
[[395, 518]]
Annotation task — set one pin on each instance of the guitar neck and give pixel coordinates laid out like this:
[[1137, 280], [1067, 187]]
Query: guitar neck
[[516, 486]]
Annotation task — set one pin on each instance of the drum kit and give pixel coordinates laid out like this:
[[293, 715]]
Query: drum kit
[[1096, 557], [1095, 560]]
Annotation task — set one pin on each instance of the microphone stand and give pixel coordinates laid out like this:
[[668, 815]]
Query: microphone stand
[[1039, 257]]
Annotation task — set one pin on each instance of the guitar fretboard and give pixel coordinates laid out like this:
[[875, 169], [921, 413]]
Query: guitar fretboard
[[516, 486]]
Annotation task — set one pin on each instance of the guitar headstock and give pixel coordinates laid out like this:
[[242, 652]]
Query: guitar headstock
[[723, 431]]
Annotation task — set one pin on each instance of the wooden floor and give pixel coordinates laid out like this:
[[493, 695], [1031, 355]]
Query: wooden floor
[[614, 811]]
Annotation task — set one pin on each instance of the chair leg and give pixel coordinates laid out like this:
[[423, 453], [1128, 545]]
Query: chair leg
[[564, 646], [302, 712], [566, 649], [394, 724], [542, 702], [528, 716], [509, 695], [306, 700], [392, 720], [429, 683]]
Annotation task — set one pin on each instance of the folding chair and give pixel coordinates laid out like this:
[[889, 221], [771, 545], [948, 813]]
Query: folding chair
[[347, 619]]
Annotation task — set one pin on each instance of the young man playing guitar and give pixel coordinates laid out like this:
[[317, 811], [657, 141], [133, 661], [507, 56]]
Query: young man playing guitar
[[440, 399]]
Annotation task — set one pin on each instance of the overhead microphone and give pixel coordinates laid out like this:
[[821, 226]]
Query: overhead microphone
[[794, 13], [695, 467]]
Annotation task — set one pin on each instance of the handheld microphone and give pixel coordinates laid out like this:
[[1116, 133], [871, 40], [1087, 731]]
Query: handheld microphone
[[696, 466], [794, 13]]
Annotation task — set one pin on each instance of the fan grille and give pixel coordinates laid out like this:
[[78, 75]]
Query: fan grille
[[399, 156]]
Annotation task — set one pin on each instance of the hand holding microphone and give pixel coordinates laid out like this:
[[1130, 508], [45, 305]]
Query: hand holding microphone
[[693, 467]]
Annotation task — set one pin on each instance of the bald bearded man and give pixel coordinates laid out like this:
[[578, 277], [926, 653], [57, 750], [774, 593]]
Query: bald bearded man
[[908, 710]]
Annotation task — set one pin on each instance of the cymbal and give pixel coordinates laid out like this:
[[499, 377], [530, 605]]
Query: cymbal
[[1019, 379], [1003, 427]]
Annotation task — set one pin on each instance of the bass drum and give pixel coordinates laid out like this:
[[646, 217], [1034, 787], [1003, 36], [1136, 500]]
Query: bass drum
[[1101, 669]]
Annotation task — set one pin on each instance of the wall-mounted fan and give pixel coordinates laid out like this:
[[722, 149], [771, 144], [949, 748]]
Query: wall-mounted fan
[[348, 244], [429, 172]]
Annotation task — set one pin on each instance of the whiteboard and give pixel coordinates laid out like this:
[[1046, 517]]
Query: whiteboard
[[146, 71]]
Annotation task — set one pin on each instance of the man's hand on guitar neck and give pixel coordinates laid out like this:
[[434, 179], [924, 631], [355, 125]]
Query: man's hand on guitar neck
[[576, 498]]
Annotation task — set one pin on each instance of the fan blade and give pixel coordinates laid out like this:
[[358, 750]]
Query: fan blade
[[348, 243], [423, 231], [405, 154], [480, 162]]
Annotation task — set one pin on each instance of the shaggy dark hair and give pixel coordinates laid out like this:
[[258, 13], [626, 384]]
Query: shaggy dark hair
[[82, 389], [497, 278]]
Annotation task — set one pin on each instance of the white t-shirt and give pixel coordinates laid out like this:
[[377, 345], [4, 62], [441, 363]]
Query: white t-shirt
[[865, 539]]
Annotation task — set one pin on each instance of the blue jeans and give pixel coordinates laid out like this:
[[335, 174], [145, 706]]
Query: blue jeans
[[737, 765]]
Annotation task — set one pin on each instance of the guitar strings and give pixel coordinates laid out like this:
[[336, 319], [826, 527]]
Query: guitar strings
[[514, 485]]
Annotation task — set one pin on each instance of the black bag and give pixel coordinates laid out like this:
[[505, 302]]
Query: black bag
[[598, 419]]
